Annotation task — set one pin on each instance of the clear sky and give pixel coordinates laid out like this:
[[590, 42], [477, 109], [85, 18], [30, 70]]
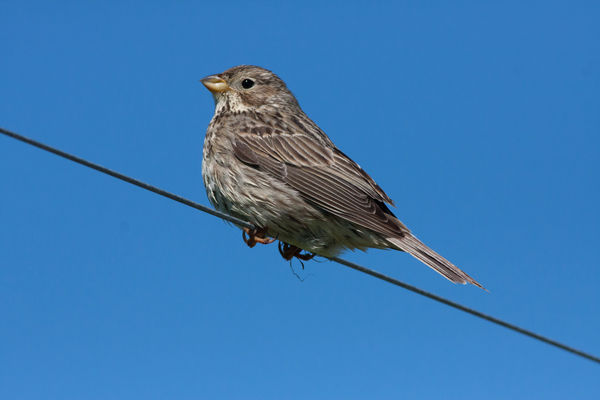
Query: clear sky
[[482, 121]]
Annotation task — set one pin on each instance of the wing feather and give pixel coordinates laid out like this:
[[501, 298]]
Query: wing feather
[[327, 178], [330, 180]]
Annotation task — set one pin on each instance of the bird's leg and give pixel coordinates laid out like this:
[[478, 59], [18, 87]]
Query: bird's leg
[[257, 235], [289, 251], [286, 251]]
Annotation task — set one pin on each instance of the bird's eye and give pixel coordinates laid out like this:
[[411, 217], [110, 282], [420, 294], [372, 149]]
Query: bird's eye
[[247, 83]]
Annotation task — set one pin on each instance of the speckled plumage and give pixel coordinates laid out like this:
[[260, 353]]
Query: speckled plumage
[[266, 162]]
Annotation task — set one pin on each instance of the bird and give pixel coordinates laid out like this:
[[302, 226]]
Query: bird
[[266, 162]]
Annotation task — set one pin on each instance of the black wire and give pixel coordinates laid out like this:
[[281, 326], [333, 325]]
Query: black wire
[[128, 179], [336, 259], [463, 308]]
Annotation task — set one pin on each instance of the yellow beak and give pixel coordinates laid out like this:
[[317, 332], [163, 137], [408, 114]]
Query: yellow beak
[[215, 84]]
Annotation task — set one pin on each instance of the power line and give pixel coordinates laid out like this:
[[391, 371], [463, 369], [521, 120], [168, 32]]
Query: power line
[[338, 260]]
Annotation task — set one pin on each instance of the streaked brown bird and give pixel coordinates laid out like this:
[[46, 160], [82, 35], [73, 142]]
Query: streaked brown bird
[[266, 162]]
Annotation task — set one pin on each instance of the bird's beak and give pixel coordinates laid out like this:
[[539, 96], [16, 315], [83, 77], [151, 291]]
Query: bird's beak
[[215, 84]]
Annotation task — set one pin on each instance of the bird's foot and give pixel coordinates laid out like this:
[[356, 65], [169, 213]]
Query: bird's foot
[[289, 251], [257, 235]]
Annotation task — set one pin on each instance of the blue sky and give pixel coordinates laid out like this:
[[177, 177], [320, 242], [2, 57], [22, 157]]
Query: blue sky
[[481, 120]]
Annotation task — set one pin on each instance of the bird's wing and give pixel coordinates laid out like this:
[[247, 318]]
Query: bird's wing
[[329, 179], [324, 176]]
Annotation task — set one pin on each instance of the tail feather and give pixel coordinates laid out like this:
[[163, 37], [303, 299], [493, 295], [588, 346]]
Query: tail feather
[[421, 252]]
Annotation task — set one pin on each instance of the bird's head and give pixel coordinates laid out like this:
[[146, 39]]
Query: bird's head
[[249, 88]]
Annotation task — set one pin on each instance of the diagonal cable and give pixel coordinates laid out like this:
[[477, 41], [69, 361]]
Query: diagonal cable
[[338, 260]]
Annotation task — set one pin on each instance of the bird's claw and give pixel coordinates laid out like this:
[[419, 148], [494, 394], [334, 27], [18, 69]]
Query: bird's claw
[[289, 251], [257, 235]]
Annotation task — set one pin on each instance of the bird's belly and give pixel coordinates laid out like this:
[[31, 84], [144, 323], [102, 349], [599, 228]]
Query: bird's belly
[[256, 197]]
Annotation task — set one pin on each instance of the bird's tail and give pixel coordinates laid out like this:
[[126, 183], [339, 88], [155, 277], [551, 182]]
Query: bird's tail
[[420, 251]]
